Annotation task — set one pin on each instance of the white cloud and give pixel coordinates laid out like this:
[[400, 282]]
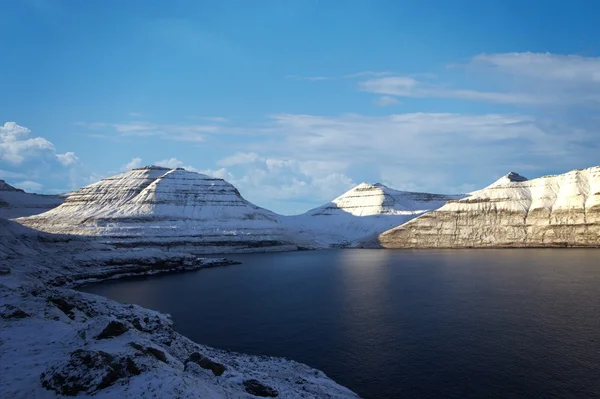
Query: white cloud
[[384, 101], [519, 78], [134, 163], [547, 66], [68, 158], [35, 160], [218, 173], [239, 158], [5, 174], [409, 87], [14, 131], [430, 143], [264, 180], [173, 163], [29, 186], [16, 146], [176, 132]]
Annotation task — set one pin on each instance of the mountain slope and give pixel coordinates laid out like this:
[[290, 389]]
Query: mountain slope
[[365, 210], [170, 208], [560, 210], [16, 203]]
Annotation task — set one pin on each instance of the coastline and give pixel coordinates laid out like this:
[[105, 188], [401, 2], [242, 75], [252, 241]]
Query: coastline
[[90, 345]]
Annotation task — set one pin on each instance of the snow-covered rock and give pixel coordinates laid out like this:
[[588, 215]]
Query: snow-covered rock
[[363, 211], [16, 203], [170, 208], [560, 210], [56, 342]]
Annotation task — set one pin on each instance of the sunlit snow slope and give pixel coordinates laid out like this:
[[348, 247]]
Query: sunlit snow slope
[[560, 210], [170, 208], [16, 203], [365, 210]]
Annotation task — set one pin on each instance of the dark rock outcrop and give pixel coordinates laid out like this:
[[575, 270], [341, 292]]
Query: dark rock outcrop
[[149, 350], [256, 388], [88, 372], [217, 368], [113, 329], [13, 312]]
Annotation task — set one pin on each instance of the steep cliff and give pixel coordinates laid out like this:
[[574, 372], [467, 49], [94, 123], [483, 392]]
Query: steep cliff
[[551, 211], [169, 208]]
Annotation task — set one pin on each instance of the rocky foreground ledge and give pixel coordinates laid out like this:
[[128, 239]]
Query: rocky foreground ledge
[[57, 342]]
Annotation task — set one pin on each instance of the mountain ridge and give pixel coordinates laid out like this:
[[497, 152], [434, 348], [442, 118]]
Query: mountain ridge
[[556, 210]]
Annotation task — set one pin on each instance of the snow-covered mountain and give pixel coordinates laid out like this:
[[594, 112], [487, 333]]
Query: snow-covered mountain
[[560, 210], [170, 208], [363, 211], [16, 203]]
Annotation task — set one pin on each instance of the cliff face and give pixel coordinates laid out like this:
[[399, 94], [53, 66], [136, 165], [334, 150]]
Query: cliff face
[[169, 208], [551, 211], [363, 211], [16, 203]]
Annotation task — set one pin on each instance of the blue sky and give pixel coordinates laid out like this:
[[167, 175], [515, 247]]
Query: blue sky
[[294, 102]]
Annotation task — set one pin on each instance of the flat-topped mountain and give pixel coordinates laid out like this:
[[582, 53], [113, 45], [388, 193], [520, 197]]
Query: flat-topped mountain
[[172, 208], [15, 202], [560, 210], [365, 210]]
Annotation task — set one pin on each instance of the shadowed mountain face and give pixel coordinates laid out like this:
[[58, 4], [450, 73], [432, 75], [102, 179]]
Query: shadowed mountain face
[[169, 208], [560, 210], [16, 203]]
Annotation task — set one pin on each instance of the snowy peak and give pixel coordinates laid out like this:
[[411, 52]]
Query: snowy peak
[[174, 208], [152, 167], [377, 199], [363, 211], [156, 192], [511, 177]]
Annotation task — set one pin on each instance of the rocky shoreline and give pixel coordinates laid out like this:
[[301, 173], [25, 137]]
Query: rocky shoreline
[[129, 270], [56, 341]]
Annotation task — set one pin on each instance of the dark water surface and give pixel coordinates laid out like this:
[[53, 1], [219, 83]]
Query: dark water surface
[[401, 324]]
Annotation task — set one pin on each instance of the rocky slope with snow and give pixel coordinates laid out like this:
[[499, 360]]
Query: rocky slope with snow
[[16, 203], [173, 209], [363, 211], [551, 211], [57, 342]]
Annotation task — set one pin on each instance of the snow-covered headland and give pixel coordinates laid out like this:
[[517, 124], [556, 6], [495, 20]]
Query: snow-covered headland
[[57, 342]]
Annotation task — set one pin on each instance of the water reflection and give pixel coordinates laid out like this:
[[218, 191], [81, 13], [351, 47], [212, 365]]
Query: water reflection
[[386, 323]]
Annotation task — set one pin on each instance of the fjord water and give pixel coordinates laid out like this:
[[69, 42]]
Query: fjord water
[[397, 323]]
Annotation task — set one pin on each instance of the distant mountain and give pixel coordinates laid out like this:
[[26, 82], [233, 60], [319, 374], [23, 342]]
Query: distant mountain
[[169, 208], [16, 203], [363, 211], [554, 211]]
